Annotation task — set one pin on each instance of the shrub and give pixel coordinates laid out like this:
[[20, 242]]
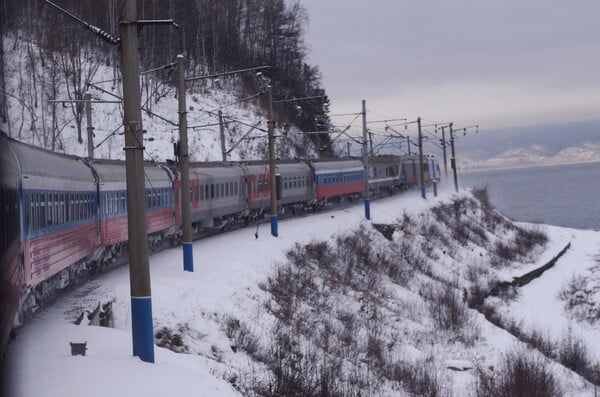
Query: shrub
[[449, 311], [172, 340], [418, 379], [519, 375], [242, 336], [573, 353]]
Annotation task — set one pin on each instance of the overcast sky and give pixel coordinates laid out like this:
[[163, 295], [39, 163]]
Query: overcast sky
[[496, 63]]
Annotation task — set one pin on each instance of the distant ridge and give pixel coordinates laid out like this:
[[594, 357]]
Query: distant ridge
[[530, 146]]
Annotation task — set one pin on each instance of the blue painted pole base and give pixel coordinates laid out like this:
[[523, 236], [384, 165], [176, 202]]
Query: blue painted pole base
[[368, 209], [188, 257], [274, 226], [456, 186], [423, 192], [142, 329]]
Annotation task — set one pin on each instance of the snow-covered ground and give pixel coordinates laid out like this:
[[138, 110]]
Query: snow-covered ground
[[539, 306], [228, 269]]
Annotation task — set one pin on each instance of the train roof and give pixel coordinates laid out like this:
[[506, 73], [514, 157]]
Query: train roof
[[345, 165], [115, 171], [44, 163]]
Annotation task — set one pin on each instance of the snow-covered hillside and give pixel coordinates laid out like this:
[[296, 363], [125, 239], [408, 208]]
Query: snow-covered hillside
[[35, 120], [535, 155], [377, 321]]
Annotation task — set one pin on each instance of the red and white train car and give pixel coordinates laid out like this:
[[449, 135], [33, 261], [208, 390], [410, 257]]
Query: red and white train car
[[112, 191], [58, 215], [10, 239]]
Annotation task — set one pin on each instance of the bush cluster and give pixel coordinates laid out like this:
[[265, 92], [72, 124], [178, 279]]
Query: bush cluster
[[520, 374]]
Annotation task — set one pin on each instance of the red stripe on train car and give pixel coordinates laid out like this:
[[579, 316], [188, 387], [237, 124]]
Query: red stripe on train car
[[160, 220], [114, 230], [339, 189], [47, 255], [9, 292]]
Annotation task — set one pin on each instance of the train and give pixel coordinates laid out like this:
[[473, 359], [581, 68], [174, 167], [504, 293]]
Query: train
[[64, 217]]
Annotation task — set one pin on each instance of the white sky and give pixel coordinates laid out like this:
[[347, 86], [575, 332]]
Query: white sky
[[496, 63]]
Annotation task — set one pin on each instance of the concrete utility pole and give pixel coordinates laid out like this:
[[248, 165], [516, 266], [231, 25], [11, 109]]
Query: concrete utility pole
[[90, 127], [408, 144], [370, 143], [272, 175], [139, 271], [421, 168], [366, 161], [184, 158], [444, 150], [453, 159], [348, 148], [222, 132]]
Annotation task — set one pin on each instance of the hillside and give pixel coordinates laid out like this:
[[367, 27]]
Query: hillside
[[39, 66], [335, 306], [32, 124]]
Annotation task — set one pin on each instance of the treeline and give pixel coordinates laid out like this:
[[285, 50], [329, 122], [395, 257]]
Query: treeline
[[215, 35]]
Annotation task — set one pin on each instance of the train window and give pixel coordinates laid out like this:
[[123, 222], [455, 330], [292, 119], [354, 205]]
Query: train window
[[56, 209], [31, 206], [76, 207], [227, 189], [123, 203], [235, 188], [67, 208], [42, 211], [49, 210], [212, 191], [79, 206], [59, 211]]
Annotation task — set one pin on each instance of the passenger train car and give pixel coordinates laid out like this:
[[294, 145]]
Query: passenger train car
[[64, 216]]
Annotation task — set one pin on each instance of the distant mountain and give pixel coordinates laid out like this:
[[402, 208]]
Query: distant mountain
[[530, 146]]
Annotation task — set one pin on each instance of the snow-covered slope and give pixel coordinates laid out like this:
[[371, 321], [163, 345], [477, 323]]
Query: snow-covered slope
[[223, 309]]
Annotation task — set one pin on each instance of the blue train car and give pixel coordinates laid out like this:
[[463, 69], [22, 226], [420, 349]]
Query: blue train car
[[334, 179], [10, 239]]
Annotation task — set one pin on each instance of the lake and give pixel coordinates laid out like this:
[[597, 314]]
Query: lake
[[564, 195]]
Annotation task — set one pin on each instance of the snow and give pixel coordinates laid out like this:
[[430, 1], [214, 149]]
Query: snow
[[228, 269], [539, 305]]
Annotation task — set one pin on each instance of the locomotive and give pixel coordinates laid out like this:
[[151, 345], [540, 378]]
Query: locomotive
[[65, 216]]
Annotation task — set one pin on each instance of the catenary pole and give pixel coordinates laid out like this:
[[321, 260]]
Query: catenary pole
[[421, 168], [272, 175], [453, 159], [184, 163], [366, 161], [222, 133], [90, 126], [139, 271], [444, 150]]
